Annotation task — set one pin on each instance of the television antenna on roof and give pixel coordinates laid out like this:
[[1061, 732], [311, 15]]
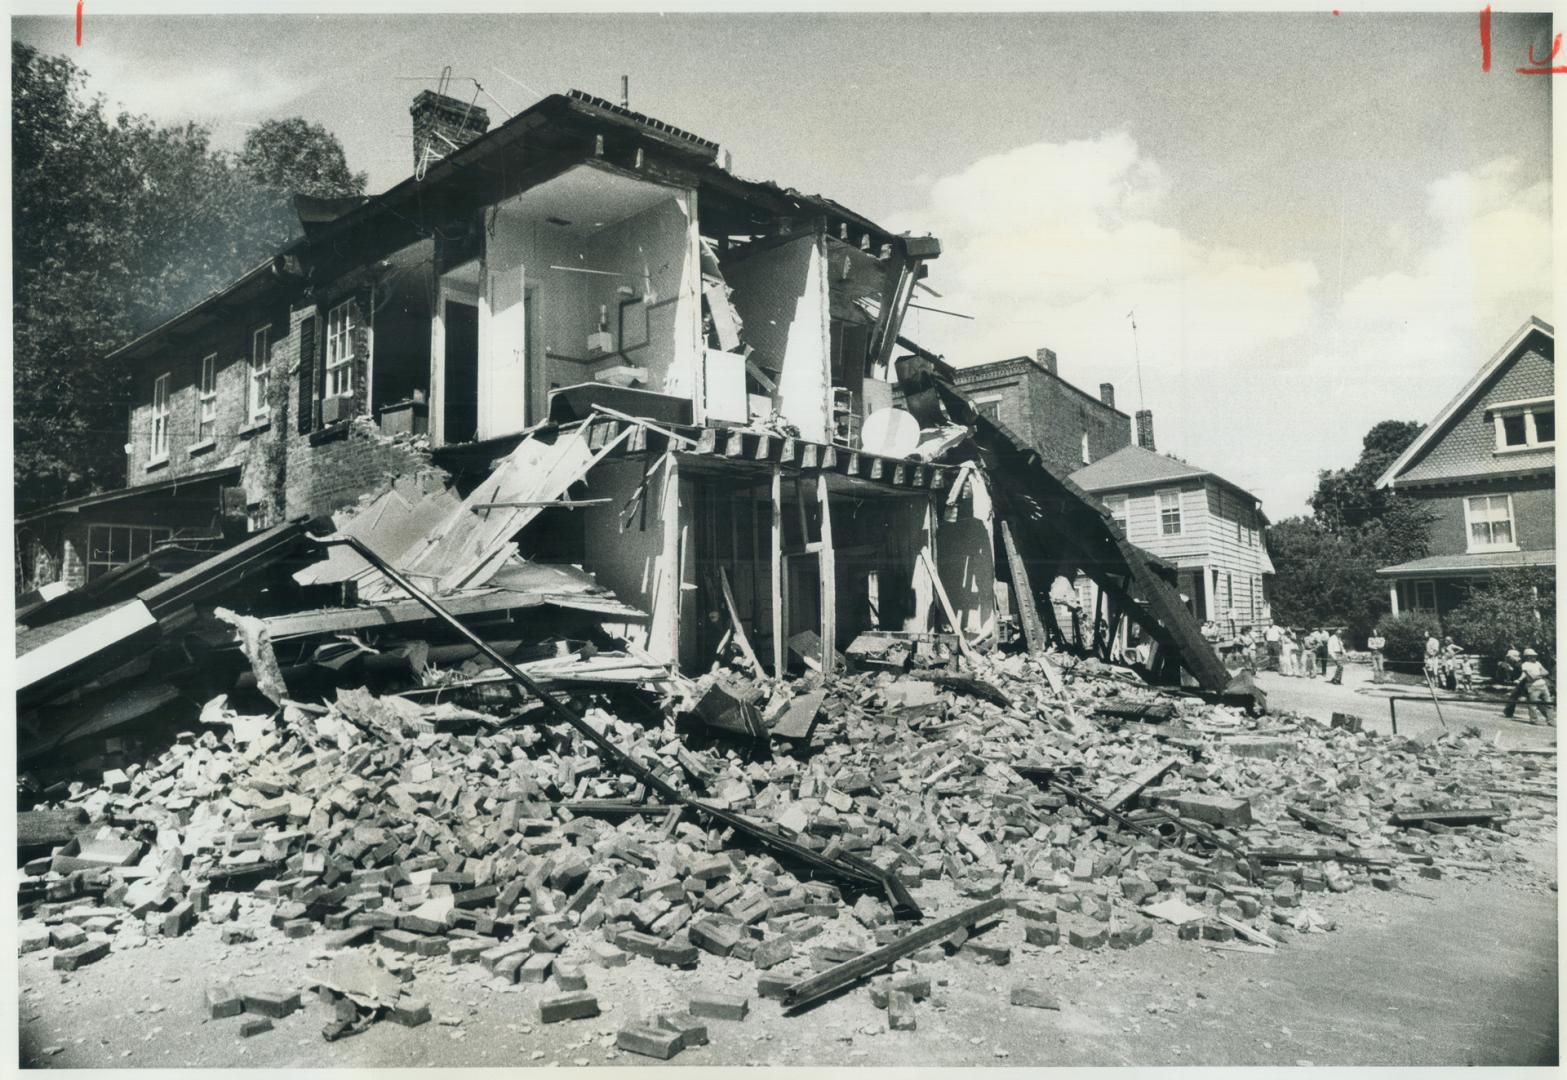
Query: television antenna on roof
[[1137, 352]]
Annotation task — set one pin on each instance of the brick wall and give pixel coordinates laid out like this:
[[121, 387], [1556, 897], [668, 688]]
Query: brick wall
[[334, 472], [1048, 413], [1534, 515]]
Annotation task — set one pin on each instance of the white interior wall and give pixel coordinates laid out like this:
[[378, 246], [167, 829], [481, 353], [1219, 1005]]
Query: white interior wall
[[781, 296], [633, 563]]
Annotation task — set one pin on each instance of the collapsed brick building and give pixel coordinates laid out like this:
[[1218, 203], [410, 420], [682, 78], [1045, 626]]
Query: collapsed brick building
[[691, 387]]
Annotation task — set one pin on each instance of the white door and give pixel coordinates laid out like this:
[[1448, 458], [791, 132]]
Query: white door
[[503, 386]]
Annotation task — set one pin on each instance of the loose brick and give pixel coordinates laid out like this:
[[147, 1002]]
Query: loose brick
[[274, 1003], [570, 977], [999, 955], [67, 936], [719, 1006], [255, 1027], [1042, 934], [772, 985], [650, 1041], [88, 952], [692, 1031], [1087, 936], [715, 935], [606, 955], [900, 1011], [411, 1012], [535, 969], [772, 953], [223, 1002], [567, 1007]]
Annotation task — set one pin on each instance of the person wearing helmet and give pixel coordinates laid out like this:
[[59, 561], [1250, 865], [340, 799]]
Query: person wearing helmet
[[1537, 681]]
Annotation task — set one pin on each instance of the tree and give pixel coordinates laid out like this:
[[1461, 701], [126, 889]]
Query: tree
[[294, 155], [117, 225], [1326, 564], [1323, 578], [1515, 608], [1347, 498]]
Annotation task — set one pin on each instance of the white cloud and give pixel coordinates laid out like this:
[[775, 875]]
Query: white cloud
[[214, 93], [1053, 243]]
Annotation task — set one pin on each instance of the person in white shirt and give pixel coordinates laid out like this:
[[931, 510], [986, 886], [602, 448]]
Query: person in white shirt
[[1288, 649], [1537, 679], [1336, 654], [1376, 643], [1275, 640]]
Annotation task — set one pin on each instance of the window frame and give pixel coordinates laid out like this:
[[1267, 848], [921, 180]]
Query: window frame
[[161, 411], [1180, 524], [258, 384], [207, 400], [1501, 413], [1414, 595], [1470, 521], [1111, 503], [93, 567], [1086, 453], [338, 374]]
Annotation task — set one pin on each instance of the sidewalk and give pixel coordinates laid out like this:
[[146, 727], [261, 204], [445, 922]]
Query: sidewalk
[[1360, 697]]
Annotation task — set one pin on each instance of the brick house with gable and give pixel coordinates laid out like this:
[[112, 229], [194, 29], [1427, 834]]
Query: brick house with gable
[[1486, 467]]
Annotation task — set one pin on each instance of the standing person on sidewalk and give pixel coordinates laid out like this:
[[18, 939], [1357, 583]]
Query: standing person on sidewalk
[[1275, 639], [1376, 643], [1434, 659], [1508, 672], [1537, 681], [1335, 647], [1288, 648], [1308, 654]]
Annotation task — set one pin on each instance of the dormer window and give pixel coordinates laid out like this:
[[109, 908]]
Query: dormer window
[[1524, 425]]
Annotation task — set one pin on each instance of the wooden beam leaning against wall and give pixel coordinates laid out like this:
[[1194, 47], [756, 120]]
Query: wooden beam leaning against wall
[[909, 253]]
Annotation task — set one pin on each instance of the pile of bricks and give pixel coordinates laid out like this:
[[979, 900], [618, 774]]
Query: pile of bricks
[[402, 837]]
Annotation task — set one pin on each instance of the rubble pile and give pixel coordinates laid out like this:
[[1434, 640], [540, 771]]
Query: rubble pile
[[403, 837]]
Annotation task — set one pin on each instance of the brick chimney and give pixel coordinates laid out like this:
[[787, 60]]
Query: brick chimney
[[1145, 429], [1107, 394], [444, 124], [1047, 360]]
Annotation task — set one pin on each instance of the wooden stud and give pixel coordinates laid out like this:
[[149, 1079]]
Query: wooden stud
[[827, 573], [777, 574], [1023, 593]]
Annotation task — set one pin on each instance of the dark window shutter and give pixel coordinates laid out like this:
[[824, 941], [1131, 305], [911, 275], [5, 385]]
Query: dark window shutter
[[307, 375]]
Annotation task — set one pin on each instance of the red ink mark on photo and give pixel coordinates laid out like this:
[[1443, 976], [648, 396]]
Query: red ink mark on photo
[[1485, 39], [79, 21], [1335, 12], [1556, 47]]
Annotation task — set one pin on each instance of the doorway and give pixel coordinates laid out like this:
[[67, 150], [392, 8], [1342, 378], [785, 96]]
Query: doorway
[[461, 397]]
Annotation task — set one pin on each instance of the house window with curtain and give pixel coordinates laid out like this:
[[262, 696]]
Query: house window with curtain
[[207, 422], [160, 419], [1490, 522], [339, 351], [260, 374]]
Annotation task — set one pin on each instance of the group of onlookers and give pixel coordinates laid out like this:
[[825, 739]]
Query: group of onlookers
[[1303, 653], [1307, 653]]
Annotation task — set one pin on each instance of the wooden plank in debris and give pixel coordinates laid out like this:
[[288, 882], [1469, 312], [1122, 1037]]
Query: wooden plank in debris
[[48, 828], [1480, 815], [827, 575], [1023, 594], [946, 604], [39, 671], [799, 718], [779, 644], [838, 976], [1143, 777], [741, 639]]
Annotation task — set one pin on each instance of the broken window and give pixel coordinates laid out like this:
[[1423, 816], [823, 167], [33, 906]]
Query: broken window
[[260, 374], [1490, 522], [1170, 513], [207, 424], [109, 546], [160, 419], [340, 351], [990, 410]]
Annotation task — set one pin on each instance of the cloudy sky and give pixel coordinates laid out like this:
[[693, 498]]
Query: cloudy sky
[[1320, 221]]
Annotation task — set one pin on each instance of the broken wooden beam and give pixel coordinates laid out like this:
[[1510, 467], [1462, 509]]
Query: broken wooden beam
[[1141, 779], [1480, 815], [838, 976]]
